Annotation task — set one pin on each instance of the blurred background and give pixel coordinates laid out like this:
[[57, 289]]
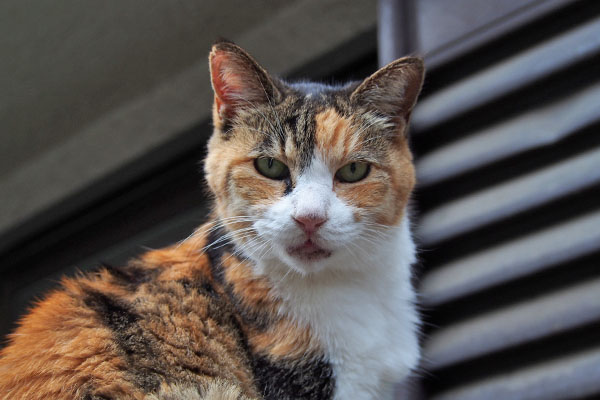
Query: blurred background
[[104, 116]]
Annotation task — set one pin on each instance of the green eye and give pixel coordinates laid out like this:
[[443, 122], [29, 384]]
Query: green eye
[[353, 172], [271, 168]]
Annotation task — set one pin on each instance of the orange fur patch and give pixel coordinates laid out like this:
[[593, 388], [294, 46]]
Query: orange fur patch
[[254, 292], [59, 348], [284, 340], [254, 188], [332, 134]]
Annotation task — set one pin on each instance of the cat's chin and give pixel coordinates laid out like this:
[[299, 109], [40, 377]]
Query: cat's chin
[[305, 259], [308, 252]]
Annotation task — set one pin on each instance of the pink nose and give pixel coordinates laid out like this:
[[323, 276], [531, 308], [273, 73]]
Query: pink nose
[[310, 223]]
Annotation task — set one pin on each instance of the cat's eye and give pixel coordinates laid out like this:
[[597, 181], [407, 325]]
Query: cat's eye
[[271, 168], [353, 172]]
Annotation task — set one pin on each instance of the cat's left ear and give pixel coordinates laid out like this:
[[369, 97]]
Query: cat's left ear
[[392, 90], [238, 81]]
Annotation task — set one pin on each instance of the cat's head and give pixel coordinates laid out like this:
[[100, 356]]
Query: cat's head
[[305, 173]]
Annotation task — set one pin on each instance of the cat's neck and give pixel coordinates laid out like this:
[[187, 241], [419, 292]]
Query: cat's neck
[[363, 314]]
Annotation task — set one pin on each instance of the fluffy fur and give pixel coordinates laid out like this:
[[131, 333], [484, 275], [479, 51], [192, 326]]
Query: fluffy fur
[[298, 287]]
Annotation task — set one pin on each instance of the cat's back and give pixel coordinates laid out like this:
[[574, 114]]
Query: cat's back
[[128, 332]]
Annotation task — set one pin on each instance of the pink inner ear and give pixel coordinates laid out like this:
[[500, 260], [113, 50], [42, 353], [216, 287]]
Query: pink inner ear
[[228, 82], [225, 83], [236, 80]]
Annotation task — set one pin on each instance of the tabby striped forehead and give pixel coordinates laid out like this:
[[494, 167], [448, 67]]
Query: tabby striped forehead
[[314, 117]]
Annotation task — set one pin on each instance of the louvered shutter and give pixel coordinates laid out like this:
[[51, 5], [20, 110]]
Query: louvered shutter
[[508, 164]]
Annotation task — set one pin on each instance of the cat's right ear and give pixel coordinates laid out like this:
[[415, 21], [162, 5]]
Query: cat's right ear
[[392, 90], [238, 82]]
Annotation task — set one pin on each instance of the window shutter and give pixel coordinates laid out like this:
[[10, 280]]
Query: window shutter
[[508, 164]]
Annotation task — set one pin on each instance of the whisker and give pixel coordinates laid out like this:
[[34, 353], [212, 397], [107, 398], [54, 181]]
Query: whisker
[[285, 275], [250, 246], [225, 237]]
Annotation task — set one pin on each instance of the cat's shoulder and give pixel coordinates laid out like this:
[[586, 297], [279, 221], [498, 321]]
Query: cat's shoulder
[[84, 330]]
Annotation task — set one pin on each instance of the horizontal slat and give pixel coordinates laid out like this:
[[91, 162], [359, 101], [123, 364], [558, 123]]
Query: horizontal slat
[[540, 127], [521, 257], [517, 324], [497, 29], [529, 66], [442, 22], [506, 199], [570, 377]]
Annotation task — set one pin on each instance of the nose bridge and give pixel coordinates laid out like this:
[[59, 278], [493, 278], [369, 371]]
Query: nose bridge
[[314, 190], [311, 199]]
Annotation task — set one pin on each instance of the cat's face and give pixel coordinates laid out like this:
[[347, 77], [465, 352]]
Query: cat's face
[[304, 173]]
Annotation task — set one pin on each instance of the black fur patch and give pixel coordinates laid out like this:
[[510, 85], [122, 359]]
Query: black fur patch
[[291, 122], [215, 251], [288, 186], [249, 316], [95, 397], [143, 363], [227, 129], [115, 314], [130, 276], [304, 139], [293, 380], [204, 288]]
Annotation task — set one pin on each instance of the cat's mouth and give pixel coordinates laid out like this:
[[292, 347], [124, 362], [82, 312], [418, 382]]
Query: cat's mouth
[[309, 251]]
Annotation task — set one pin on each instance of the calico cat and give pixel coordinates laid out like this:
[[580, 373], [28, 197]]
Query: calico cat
[[299, 287]]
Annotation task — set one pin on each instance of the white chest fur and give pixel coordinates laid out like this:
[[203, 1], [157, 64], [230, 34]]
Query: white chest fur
[[366, 320]]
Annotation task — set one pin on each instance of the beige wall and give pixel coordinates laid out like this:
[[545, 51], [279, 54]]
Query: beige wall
[[89, 86]]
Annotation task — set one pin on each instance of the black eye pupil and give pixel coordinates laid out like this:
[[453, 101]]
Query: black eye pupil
[[353, 167], [270, 163]]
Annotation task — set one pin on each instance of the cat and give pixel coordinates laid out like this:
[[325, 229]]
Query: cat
[[298, 287]]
